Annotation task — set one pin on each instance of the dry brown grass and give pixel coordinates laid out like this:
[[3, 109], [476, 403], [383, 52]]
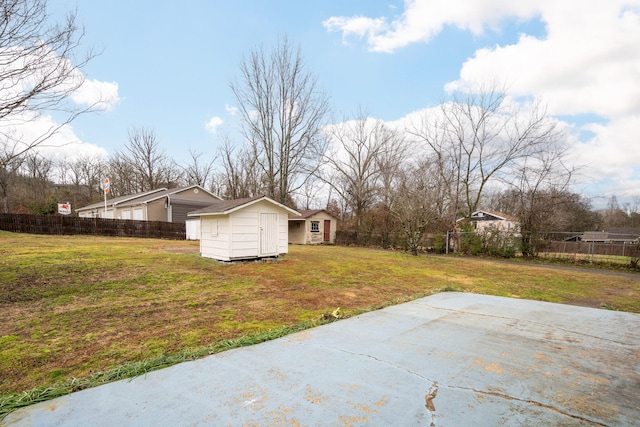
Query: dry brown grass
[[74, 305]]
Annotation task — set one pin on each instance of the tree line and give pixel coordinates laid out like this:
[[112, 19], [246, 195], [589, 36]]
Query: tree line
[[478, 149]]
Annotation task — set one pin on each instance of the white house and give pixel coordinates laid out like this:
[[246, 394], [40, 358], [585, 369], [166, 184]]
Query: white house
[[484, 221], [254, 227], [312, 227]]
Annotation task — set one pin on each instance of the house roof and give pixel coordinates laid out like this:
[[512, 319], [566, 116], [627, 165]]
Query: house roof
[[308, 214], [608, 236], [121, 199], [225, 207], [497, 215], [161, 194]]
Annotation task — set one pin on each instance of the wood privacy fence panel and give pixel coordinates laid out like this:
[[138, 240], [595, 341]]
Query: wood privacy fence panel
[[59, 224]]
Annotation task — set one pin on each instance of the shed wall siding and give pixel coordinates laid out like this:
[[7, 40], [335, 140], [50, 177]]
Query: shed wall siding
[[239, 233], [215, 246]]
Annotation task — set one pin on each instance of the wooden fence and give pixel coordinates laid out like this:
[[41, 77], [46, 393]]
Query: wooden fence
[[62, 224]]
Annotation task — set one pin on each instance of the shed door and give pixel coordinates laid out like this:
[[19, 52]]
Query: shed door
[[327, 230], [268, 234]]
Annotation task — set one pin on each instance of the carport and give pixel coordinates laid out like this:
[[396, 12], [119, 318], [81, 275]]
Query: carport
[[451, 359]]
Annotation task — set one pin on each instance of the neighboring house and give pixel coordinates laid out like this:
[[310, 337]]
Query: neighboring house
[[254, 227], [108, 209], [312, 227], [491, 220], [170, 205], [606, 237]]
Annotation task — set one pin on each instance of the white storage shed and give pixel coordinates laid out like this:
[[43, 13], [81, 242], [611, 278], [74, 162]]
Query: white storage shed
[[255, 227]]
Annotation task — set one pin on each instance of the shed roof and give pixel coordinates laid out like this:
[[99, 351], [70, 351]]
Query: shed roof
[[225, 207], [309, 213]]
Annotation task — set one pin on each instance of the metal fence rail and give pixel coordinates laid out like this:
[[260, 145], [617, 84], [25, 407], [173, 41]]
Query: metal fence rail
[[70, 225]]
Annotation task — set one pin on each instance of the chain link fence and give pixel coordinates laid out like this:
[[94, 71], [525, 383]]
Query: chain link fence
[[603, 247]]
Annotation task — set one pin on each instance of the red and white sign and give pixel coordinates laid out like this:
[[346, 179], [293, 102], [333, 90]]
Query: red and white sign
[[64, 208], [105, 185]]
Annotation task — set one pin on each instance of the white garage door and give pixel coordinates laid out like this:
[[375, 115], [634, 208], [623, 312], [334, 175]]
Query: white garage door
[[137, 214]]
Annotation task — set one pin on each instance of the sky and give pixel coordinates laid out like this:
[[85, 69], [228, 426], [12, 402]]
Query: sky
[[167, 66]]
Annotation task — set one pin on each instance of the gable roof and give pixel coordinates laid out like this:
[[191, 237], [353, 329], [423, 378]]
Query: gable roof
[[480, 215], [500, 215], [225, 207], [121, 199], [309, 213], [161, 194]]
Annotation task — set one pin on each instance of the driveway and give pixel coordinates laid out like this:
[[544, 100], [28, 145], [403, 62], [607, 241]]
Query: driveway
[[451, 359]]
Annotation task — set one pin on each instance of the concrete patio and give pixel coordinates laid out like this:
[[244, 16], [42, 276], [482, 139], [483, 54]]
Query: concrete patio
[[451, 359]]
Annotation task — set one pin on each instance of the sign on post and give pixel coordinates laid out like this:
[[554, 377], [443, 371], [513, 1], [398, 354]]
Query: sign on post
[[64, 208], [105, 186]]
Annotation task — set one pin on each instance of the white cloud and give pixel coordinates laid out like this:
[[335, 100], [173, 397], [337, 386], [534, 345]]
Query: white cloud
[[231, 109], [213, 124], [358, 26], [94, 93], [587, 63], [62, 142], [613, 150], [423, 19]]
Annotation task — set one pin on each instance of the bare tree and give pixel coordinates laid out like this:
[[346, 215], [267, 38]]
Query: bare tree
[[143, 165], [8, 174], [86, 174], [282, 110], [241, 176], [476, 137], [198, 171], [123, 177], [37, 170], [308, 194], [39, 71], [352, 166], [540, 182], [416, 201]]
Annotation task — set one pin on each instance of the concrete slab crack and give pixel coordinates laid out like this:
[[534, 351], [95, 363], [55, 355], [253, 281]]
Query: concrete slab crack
[[555, 327], [431, 394], [428, 400], [385, 362], [529, 401]]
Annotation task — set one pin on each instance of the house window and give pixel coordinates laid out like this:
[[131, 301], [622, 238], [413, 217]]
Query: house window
[[315, 226]]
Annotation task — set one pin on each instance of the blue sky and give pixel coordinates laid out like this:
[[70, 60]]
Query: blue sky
[[169, 65]]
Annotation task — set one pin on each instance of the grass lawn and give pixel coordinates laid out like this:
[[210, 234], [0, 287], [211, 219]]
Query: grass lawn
[[74, 306]]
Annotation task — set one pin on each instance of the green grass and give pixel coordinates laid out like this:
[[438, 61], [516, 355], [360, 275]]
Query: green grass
[[82, 310]]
